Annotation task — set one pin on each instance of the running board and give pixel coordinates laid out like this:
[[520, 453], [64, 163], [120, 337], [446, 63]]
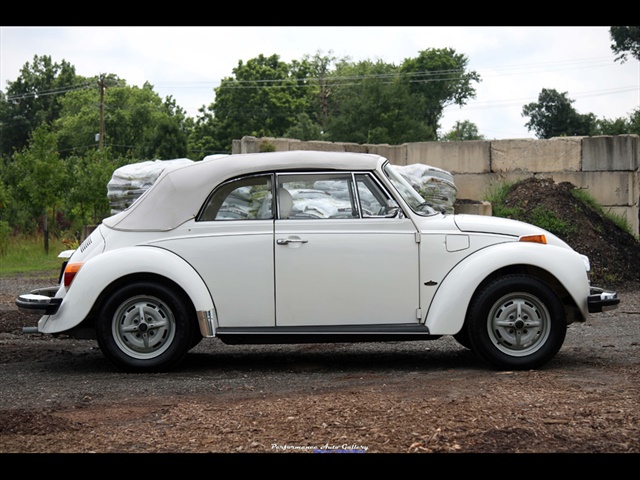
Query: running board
[[321, 334]]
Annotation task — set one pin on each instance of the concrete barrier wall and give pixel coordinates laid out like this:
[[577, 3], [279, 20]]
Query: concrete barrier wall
[[608, 166]]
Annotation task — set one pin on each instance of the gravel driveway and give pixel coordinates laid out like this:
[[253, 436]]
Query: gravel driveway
[[61, 396]]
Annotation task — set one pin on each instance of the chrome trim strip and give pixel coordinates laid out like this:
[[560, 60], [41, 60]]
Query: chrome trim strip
[[207, 321]]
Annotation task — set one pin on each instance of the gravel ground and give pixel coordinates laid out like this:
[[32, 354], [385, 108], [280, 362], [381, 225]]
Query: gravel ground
[[61, 396]]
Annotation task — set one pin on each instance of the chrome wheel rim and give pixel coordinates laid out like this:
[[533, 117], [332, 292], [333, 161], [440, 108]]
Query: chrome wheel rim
[[519, 324], [143, 327]]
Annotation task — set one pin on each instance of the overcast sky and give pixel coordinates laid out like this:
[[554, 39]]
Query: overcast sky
[[514, 63]]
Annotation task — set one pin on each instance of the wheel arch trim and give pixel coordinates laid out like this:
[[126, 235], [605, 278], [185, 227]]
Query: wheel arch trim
[[448, 309], [105, 270]]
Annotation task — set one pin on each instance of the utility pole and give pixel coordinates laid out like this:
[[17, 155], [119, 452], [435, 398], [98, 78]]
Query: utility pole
[[101, 135]]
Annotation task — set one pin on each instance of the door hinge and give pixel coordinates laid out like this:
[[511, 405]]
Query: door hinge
[[418, 238], [419, 313]]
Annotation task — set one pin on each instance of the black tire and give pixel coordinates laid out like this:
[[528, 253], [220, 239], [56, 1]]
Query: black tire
[[516, 322], [462, 337], [196, 339], [158, 342]]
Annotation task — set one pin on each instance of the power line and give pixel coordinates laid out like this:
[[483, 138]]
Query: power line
[[54, 91]]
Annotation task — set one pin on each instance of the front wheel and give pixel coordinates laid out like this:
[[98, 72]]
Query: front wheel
[[145, 327], [516, 322]]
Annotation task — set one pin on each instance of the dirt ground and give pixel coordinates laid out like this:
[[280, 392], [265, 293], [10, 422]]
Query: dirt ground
[[60, 395]]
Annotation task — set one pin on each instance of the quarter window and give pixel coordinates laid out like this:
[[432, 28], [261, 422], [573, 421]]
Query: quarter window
[[247, 198]]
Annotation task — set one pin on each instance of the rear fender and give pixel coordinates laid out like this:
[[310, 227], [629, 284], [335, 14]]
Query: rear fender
[[103, 270], [448, 309]]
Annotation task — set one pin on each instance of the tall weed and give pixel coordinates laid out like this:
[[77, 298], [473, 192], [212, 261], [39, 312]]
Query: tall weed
[[26, 254]]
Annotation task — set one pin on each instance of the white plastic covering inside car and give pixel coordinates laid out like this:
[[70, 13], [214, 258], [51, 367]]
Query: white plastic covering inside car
[[434, 184], [129, 182]]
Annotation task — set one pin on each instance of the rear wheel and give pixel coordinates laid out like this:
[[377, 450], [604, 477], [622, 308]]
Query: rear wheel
[[516, 322], [462, 337], [145, 327]]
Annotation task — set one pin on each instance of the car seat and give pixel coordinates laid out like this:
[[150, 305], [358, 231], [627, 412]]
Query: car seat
[[285, 201]]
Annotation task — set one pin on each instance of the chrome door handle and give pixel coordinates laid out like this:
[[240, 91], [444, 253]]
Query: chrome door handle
[[287, 241]]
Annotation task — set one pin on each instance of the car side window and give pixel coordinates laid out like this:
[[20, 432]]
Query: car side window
[[247, 198], [316, 196], [374, 201], [330, 195]]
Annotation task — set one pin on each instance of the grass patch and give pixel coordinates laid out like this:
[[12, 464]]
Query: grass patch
[[585, 197], [548, 220], [26, 254], [497, 196]]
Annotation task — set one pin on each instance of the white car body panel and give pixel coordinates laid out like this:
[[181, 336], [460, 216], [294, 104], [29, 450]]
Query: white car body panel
[[235, 260], [445, 317], [103, 269], [372, 277]]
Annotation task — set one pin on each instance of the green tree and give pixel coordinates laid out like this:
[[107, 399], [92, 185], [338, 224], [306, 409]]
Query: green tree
[[263, 98], [553, 115], [316, 118], [203, 138], [86, 197], [33, 98], [137, 124], [5, 229], [168, 137], [634, 122], [439, 78], [39, 175], [370, 103], [617, 126], [626, 40], [304, 129], [464, 130]]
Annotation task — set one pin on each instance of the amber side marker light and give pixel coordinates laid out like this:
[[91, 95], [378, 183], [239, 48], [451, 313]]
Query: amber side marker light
[[70, 272], [533, 239]]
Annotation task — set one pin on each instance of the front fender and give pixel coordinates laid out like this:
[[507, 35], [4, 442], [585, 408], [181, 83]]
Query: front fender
[[102, 270], [448, 309]]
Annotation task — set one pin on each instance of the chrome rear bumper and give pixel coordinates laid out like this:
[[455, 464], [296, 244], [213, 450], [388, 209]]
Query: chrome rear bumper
[[39, 302]]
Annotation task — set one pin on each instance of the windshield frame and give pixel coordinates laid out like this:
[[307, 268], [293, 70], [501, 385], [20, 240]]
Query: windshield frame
[[411, 197]]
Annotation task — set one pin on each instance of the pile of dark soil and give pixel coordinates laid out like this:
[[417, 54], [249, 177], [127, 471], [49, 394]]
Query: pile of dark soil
[[614, 252]]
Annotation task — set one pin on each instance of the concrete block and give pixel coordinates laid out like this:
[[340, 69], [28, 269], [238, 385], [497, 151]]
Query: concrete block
[[396, 154], [454, 157], [608, 188], [473, 207], [251, 144], [554, 155], [355, 148], [478, 186], [630, 214], [318, 145], [610, 153]]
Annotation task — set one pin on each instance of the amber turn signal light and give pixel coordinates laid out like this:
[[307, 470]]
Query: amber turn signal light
[[533, 239]]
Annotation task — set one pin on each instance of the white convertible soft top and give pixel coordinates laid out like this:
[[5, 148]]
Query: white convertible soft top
[[179, 193]]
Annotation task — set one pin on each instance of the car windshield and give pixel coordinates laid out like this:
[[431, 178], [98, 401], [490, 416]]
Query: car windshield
[[408, 193]]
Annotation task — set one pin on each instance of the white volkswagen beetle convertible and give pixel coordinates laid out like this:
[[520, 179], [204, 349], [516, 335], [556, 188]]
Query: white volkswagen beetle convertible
[[300, 246]]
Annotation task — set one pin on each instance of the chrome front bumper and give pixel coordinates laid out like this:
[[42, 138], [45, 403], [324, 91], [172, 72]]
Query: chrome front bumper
[[601, 300]]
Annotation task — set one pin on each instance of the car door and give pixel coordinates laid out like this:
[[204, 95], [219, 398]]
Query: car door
[[231, 247], [340, 257]]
